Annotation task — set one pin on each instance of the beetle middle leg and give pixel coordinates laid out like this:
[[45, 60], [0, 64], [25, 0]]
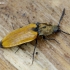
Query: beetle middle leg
[[19, 47], [34, 50], [49, 39]]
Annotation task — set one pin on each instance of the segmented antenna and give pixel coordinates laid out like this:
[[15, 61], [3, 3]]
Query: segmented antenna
[[63, 12], [65, 32], [60, 21]]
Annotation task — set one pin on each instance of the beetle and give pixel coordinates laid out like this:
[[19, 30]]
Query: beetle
[[31, 32]]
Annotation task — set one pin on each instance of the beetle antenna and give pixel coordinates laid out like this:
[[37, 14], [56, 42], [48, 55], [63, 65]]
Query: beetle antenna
[[63, 12], [65, 32]]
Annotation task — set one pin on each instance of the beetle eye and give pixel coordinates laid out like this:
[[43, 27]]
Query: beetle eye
[[55, 29]]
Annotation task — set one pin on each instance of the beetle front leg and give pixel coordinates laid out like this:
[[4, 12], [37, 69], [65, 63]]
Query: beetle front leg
[[49, 39]]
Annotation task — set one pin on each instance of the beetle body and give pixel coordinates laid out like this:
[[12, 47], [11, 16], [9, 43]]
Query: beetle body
[[30, 33], [27, 34]]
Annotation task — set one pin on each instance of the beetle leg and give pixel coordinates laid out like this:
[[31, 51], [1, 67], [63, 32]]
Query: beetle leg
[[34, 50], [13, 26], [49, 39], [28, 20], [17, 49]]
